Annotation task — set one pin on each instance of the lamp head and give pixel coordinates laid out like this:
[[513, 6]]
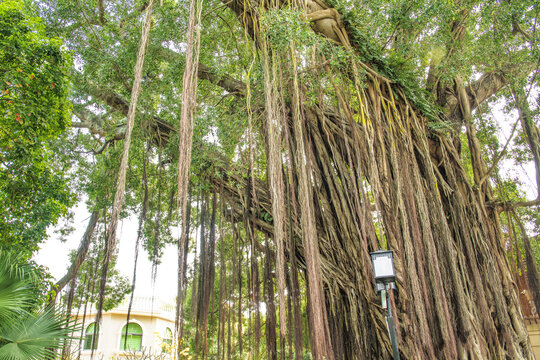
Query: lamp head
[[383, 266]]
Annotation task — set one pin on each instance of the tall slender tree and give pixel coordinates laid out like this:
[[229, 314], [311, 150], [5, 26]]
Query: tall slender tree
[[360, 128]]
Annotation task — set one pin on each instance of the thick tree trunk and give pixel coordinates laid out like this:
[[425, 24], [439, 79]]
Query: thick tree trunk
[[292, 215], [449, 254], [323, 346]]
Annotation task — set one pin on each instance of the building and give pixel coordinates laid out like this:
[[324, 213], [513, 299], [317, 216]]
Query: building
[[533, 327], [150, 329]]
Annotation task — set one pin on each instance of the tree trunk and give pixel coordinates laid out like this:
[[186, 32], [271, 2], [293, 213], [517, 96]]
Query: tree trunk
[[249, 226], [209, 274], [239, 283], [531, 132], [203, 268], [182, 250], [222, 288], [533, 278], [81, 254], [268, 283], [273, 136], [447, 242]]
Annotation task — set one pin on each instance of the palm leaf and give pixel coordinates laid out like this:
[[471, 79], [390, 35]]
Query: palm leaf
[[34, 336], [15, 287], [26, 334]]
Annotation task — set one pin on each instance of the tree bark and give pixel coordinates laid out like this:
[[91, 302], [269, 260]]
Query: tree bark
[[270, 327], [110, 244], [532, 135], [274, 166], [81, 253], [209, 275], [533, 278]]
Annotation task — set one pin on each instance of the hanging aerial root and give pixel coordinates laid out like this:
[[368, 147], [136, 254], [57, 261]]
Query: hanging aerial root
[[110, 244]]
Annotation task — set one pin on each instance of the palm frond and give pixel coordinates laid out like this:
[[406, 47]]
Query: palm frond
[[26, 334], [15, 287], [35, 336]]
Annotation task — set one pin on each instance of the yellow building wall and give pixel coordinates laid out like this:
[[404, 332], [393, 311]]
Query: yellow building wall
[[153, 324], [533, 327]]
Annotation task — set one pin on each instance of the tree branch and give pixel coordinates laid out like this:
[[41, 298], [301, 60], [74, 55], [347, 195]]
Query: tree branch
[[86, 122], [79, 257], [227, 82], [161, 129], [533, 138], [488, 85], [498, 157], [478, 91], [81, 252], [101, 9]]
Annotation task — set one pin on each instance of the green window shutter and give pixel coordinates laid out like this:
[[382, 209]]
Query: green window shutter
[[91, 342], [133, 343], [134, 328], [133, 340]]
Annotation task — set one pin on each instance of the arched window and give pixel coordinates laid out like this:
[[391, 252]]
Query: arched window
[[167, 341], [91, 336], [132, 339]]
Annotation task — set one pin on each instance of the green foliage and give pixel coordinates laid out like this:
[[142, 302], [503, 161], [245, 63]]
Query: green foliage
[[400, 40], [286, 25], [117, 286], [395, 65], [34, 110], [27, 332]]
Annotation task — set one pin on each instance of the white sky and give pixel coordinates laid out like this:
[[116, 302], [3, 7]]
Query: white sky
[[54, 254]]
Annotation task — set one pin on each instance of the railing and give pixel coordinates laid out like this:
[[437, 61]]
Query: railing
[[140, 304], [147, 304]]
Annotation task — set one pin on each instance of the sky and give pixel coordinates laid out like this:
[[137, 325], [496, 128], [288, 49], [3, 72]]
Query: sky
[[54, 254]]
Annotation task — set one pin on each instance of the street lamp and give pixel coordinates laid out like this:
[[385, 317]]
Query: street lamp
[[385, 279]]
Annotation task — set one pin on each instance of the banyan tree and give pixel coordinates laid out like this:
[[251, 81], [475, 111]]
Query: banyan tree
[[298, 137]]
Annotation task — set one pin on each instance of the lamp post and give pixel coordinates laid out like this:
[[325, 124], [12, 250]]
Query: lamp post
[[385, 279]]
